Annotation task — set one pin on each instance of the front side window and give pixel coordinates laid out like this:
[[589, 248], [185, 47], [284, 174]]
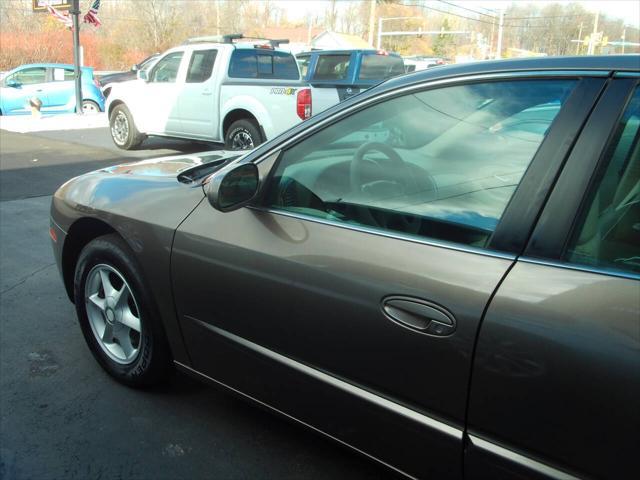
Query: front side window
[[332, 67], [201, 65], [440, 163], [28, 76], [607, 234], [166, 70]]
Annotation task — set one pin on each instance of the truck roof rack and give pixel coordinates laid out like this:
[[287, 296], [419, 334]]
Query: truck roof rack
[[231, 37]]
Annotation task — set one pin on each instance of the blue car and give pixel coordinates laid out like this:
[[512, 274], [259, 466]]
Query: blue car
[[53, 84]]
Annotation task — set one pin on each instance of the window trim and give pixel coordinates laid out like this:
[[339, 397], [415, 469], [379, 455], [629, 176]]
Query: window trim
[[490, 249], [557, 220]]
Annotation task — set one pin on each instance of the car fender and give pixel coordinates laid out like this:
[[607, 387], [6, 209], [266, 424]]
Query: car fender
[[251, 105], [129, 94]]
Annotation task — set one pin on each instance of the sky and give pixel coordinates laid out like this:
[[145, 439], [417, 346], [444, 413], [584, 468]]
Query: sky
[[629, 10]]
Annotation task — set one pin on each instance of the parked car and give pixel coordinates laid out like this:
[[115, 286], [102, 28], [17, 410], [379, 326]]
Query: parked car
[[212, 89], [107, 81], [417, 63], [53, 84], [460, 295], [336, 75]]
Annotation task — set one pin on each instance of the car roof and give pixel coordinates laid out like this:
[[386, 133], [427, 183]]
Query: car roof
[[582, 63], [50, 65], [234, 46], [345, 50]]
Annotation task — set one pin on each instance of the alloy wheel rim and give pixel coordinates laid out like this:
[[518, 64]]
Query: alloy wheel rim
[[113, 314], [120, 128], [241, 141]]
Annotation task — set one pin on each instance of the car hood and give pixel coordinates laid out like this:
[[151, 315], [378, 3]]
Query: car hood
[[160, 191], [117, 77], [185, 167]]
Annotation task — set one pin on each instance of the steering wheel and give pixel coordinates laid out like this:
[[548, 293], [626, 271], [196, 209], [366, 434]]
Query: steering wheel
[[358, 164], [401, 183]]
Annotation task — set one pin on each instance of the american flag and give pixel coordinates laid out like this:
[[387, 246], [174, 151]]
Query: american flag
[[92, 15], [62, 17]]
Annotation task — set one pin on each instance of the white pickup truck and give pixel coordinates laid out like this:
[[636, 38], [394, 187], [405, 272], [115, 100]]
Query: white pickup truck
[[212, 89]]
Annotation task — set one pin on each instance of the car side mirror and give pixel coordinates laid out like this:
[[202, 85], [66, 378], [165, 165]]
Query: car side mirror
[[142, 75], [233, 189], [13, 83], [134, 68]]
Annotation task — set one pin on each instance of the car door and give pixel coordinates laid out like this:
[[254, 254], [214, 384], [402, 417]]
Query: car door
[[60, 89], [157, 102], [349, 295], [22, 85], [198, 99], [556, 381]]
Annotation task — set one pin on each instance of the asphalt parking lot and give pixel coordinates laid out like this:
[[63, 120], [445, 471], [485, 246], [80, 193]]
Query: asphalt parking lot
[[61, 416]]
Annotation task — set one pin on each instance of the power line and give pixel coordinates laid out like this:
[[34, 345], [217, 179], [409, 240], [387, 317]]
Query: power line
[[539, 17], [471, 18], [467, 9]]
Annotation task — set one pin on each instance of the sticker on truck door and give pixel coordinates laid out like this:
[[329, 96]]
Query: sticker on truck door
[[282, 91]]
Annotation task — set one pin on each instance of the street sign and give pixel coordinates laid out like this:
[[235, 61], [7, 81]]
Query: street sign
[[41, 5]]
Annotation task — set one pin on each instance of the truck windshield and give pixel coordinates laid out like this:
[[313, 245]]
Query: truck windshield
[[379, 67]]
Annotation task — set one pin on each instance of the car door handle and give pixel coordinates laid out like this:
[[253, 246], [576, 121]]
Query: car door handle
[[207, 92], [419, 315]]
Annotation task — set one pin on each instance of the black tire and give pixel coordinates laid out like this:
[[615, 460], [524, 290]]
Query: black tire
[[241, 131], [152, 362], [89, 106], [119, 120]]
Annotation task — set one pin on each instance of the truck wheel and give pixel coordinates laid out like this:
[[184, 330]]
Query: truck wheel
[[243, 135], [123, 131]]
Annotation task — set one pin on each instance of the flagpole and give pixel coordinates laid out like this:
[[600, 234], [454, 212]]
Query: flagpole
[[75, 13]]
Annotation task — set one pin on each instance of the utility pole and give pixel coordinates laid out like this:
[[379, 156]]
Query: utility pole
[[624, 34], [493, 27], [500, 28], [372, 21], [594, 36], [75, 13], [217, 17], [379, 33], [579, 40]]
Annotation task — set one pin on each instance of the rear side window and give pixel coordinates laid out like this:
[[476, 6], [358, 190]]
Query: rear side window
[[201, 66], [263, 64], [303, 63], [62, 74], [608, 231], [379, 67], [332, 67]]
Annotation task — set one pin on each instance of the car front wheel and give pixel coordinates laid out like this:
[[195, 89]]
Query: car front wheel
[[117, 315], [123, 131]]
